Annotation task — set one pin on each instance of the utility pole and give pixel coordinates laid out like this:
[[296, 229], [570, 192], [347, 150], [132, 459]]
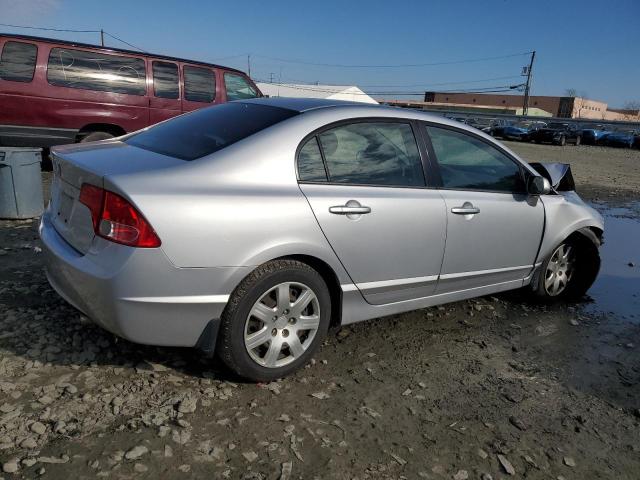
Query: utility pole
[[249, 64], [271, 77], [102, 37], [525, 106]]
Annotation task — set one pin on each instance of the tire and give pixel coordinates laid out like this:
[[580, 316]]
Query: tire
[[563, 141], [96, 136], [578, 140], [275, 327], [574, 277]]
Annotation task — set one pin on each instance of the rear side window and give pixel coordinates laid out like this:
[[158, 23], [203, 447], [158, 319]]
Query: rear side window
[[310, 164], [18, 61], [96, 71], [373, 153], [208, 130], [238, 87], [467, 163], [199, 84], [165, 80]]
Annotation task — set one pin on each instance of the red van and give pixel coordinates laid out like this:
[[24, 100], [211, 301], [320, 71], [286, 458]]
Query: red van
[[54, 92]]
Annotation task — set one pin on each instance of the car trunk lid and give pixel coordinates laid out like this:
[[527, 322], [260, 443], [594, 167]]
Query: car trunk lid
[[76, 165]]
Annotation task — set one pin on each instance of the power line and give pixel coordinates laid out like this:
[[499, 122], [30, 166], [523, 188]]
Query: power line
[[320, 89], [126, 43], [408, 65], [68, 30], [49, 29], [421, 85]]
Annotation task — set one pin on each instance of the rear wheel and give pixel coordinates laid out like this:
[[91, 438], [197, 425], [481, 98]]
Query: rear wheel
[[95, 136], [569, 271], [274, 321]]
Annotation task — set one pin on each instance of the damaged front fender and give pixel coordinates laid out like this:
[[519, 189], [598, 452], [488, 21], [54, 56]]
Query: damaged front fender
[[558, 174]]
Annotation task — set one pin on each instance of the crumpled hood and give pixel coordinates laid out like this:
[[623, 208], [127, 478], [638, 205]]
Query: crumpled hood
[[558, 174]]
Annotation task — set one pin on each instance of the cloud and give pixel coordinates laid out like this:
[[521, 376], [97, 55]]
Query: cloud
[[29, 12]]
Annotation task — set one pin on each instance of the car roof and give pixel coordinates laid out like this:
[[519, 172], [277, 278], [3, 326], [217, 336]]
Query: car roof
[[116, 50], [301, 105]]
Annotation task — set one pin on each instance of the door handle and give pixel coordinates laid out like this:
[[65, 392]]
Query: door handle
[[467, 208], [349, 210]]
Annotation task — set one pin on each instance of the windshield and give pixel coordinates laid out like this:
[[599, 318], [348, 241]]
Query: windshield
[[208, 130]]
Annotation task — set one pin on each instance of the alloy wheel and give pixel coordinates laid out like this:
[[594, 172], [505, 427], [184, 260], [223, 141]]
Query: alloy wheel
[[559, 270], [282, 324]]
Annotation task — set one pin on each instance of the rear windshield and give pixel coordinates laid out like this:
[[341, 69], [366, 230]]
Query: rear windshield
[[208, 130]]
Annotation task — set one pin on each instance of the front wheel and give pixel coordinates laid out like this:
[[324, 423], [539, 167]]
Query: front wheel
[[578, 140], [274, 321], [568, 272]]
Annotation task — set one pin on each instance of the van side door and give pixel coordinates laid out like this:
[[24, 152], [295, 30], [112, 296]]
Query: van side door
[[164, 94], [199, 87]]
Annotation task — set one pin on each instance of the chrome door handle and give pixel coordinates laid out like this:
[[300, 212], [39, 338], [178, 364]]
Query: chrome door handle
[[467, 208], [348, 210]]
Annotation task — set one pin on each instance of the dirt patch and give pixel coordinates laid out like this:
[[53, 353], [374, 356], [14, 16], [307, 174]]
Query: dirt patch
[[475, 389], [601, 173]]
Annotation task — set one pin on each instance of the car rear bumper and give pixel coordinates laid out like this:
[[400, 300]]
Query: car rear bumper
[[137, 294]]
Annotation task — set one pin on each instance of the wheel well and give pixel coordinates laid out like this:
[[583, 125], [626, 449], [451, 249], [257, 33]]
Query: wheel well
[[114, 130], [330, 278]]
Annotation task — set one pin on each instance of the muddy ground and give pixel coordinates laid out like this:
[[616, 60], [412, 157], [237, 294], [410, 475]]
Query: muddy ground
[[496, 387]]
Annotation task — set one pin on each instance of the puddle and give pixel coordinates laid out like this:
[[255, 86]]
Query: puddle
[[617, 289]]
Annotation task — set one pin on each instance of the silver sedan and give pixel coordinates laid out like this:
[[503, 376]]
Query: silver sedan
[[250, 228]]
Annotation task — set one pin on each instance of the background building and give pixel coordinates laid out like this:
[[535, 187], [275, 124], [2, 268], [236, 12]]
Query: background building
[[565, 107], [335, 92]]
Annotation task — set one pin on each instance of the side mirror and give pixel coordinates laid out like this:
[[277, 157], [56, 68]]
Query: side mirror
[[538, 185]]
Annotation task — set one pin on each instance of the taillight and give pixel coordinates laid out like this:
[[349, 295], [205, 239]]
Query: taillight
[[115, 219]]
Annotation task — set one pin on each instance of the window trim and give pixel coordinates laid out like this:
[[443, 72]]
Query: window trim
[[436, 166], [35, 64], [406, 121], [145, 92], [153, 78]]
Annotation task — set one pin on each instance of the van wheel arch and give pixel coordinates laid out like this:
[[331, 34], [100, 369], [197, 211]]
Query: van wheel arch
[[107, 129]]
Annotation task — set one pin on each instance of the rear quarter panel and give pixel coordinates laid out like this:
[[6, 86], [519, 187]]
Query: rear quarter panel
[[241, 207]]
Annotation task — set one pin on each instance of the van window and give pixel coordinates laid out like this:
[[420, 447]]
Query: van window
[[165, 80], [96, 71], [199, 84], [208, 130], [18, 61], [238, 88]]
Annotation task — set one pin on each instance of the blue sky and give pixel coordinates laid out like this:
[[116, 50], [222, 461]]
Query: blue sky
[[590, 46]]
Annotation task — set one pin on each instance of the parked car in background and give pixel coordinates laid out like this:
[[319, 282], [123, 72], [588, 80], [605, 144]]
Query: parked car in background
[[620, 138], [481, 123], [557, 134], [521, 130], [249, 228], [498, 126], [55, 92], [594, 135]]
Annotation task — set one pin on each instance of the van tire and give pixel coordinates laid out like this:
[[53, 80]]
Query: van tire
[[96, 136]]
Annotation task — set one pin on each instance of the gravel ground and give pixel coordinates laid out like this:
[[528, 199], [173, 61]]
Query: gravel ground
[[492, 388]]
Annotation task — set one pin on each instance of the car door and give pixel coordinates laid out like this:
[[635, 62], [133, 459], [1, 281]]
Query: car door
[[494, 227], [365, 182]]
